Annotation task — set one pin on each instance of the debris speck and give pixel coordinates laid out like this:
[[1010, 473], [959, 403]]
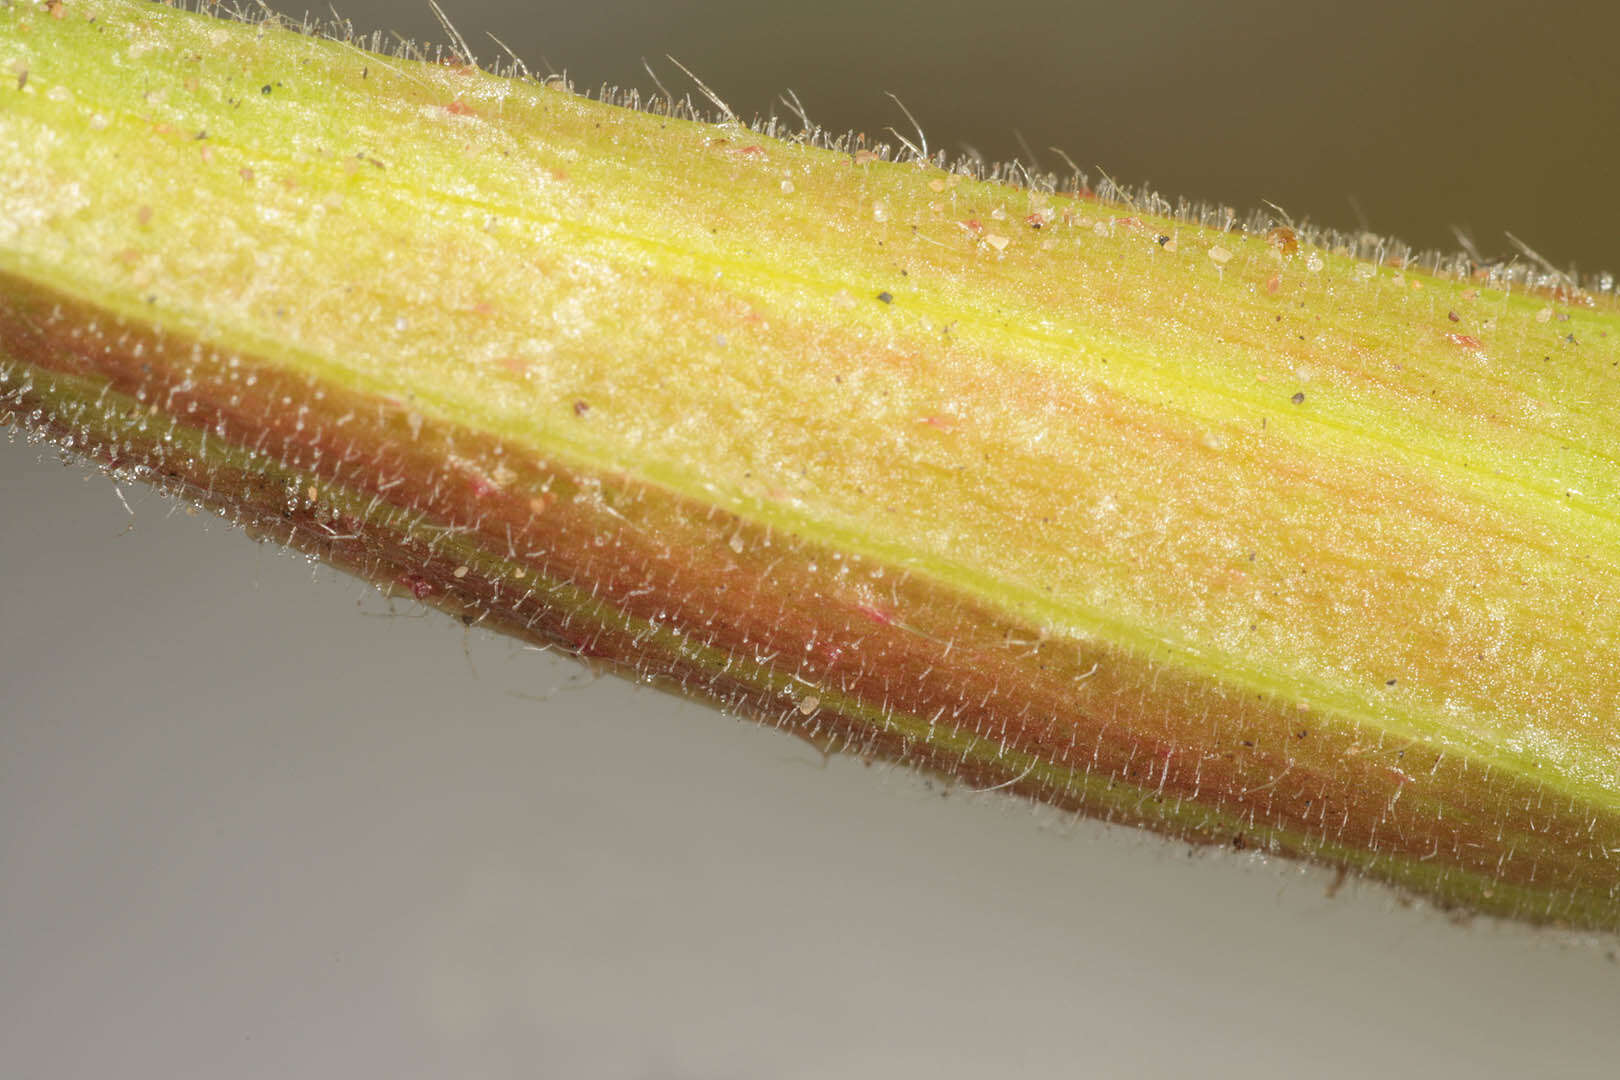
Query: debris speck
[[266, 89], [1453, 316], [581, 408], [1298, 398], [886, 297], [1284, 239]]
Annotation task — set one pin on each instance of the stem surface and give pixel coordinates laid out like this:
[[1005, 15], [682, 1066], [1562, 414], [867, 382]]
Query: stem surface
[[1219, 531]]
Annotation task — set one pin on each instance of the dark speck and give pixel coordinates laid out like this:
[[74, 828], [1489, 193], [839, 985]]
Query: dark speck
[[1570, 339], [1389, 682], [265, 89], [1163, 240], [580, 408], [887, 298], [1453, 316], [1299, 398]]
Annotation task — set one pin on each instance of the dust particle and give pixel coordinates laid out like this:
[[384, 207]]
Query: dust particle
[[886, 297], [1283, 239], [1298, 398]]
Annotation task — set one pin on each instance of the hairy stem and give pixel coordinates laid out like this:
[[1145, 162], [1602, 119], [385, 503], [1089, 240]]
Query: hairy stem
[[1227, 532]]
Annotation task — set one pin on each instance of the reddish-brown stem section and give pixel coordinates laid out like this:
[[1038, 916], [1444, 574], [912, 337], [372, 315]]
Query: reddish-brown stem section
[[847, 651]]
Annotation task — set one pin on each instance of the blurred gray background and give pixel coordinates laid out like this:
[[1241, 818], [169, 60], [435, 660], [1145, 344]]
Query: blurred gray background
[[255, 821]]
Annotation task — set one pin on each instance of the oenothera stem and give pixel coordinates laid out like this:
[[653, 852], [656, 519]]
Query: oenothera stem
[[1219, 531]]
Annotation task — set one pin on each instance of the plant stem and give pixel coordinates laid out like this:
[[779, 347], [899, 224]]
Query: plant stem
[[1223, 532]]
